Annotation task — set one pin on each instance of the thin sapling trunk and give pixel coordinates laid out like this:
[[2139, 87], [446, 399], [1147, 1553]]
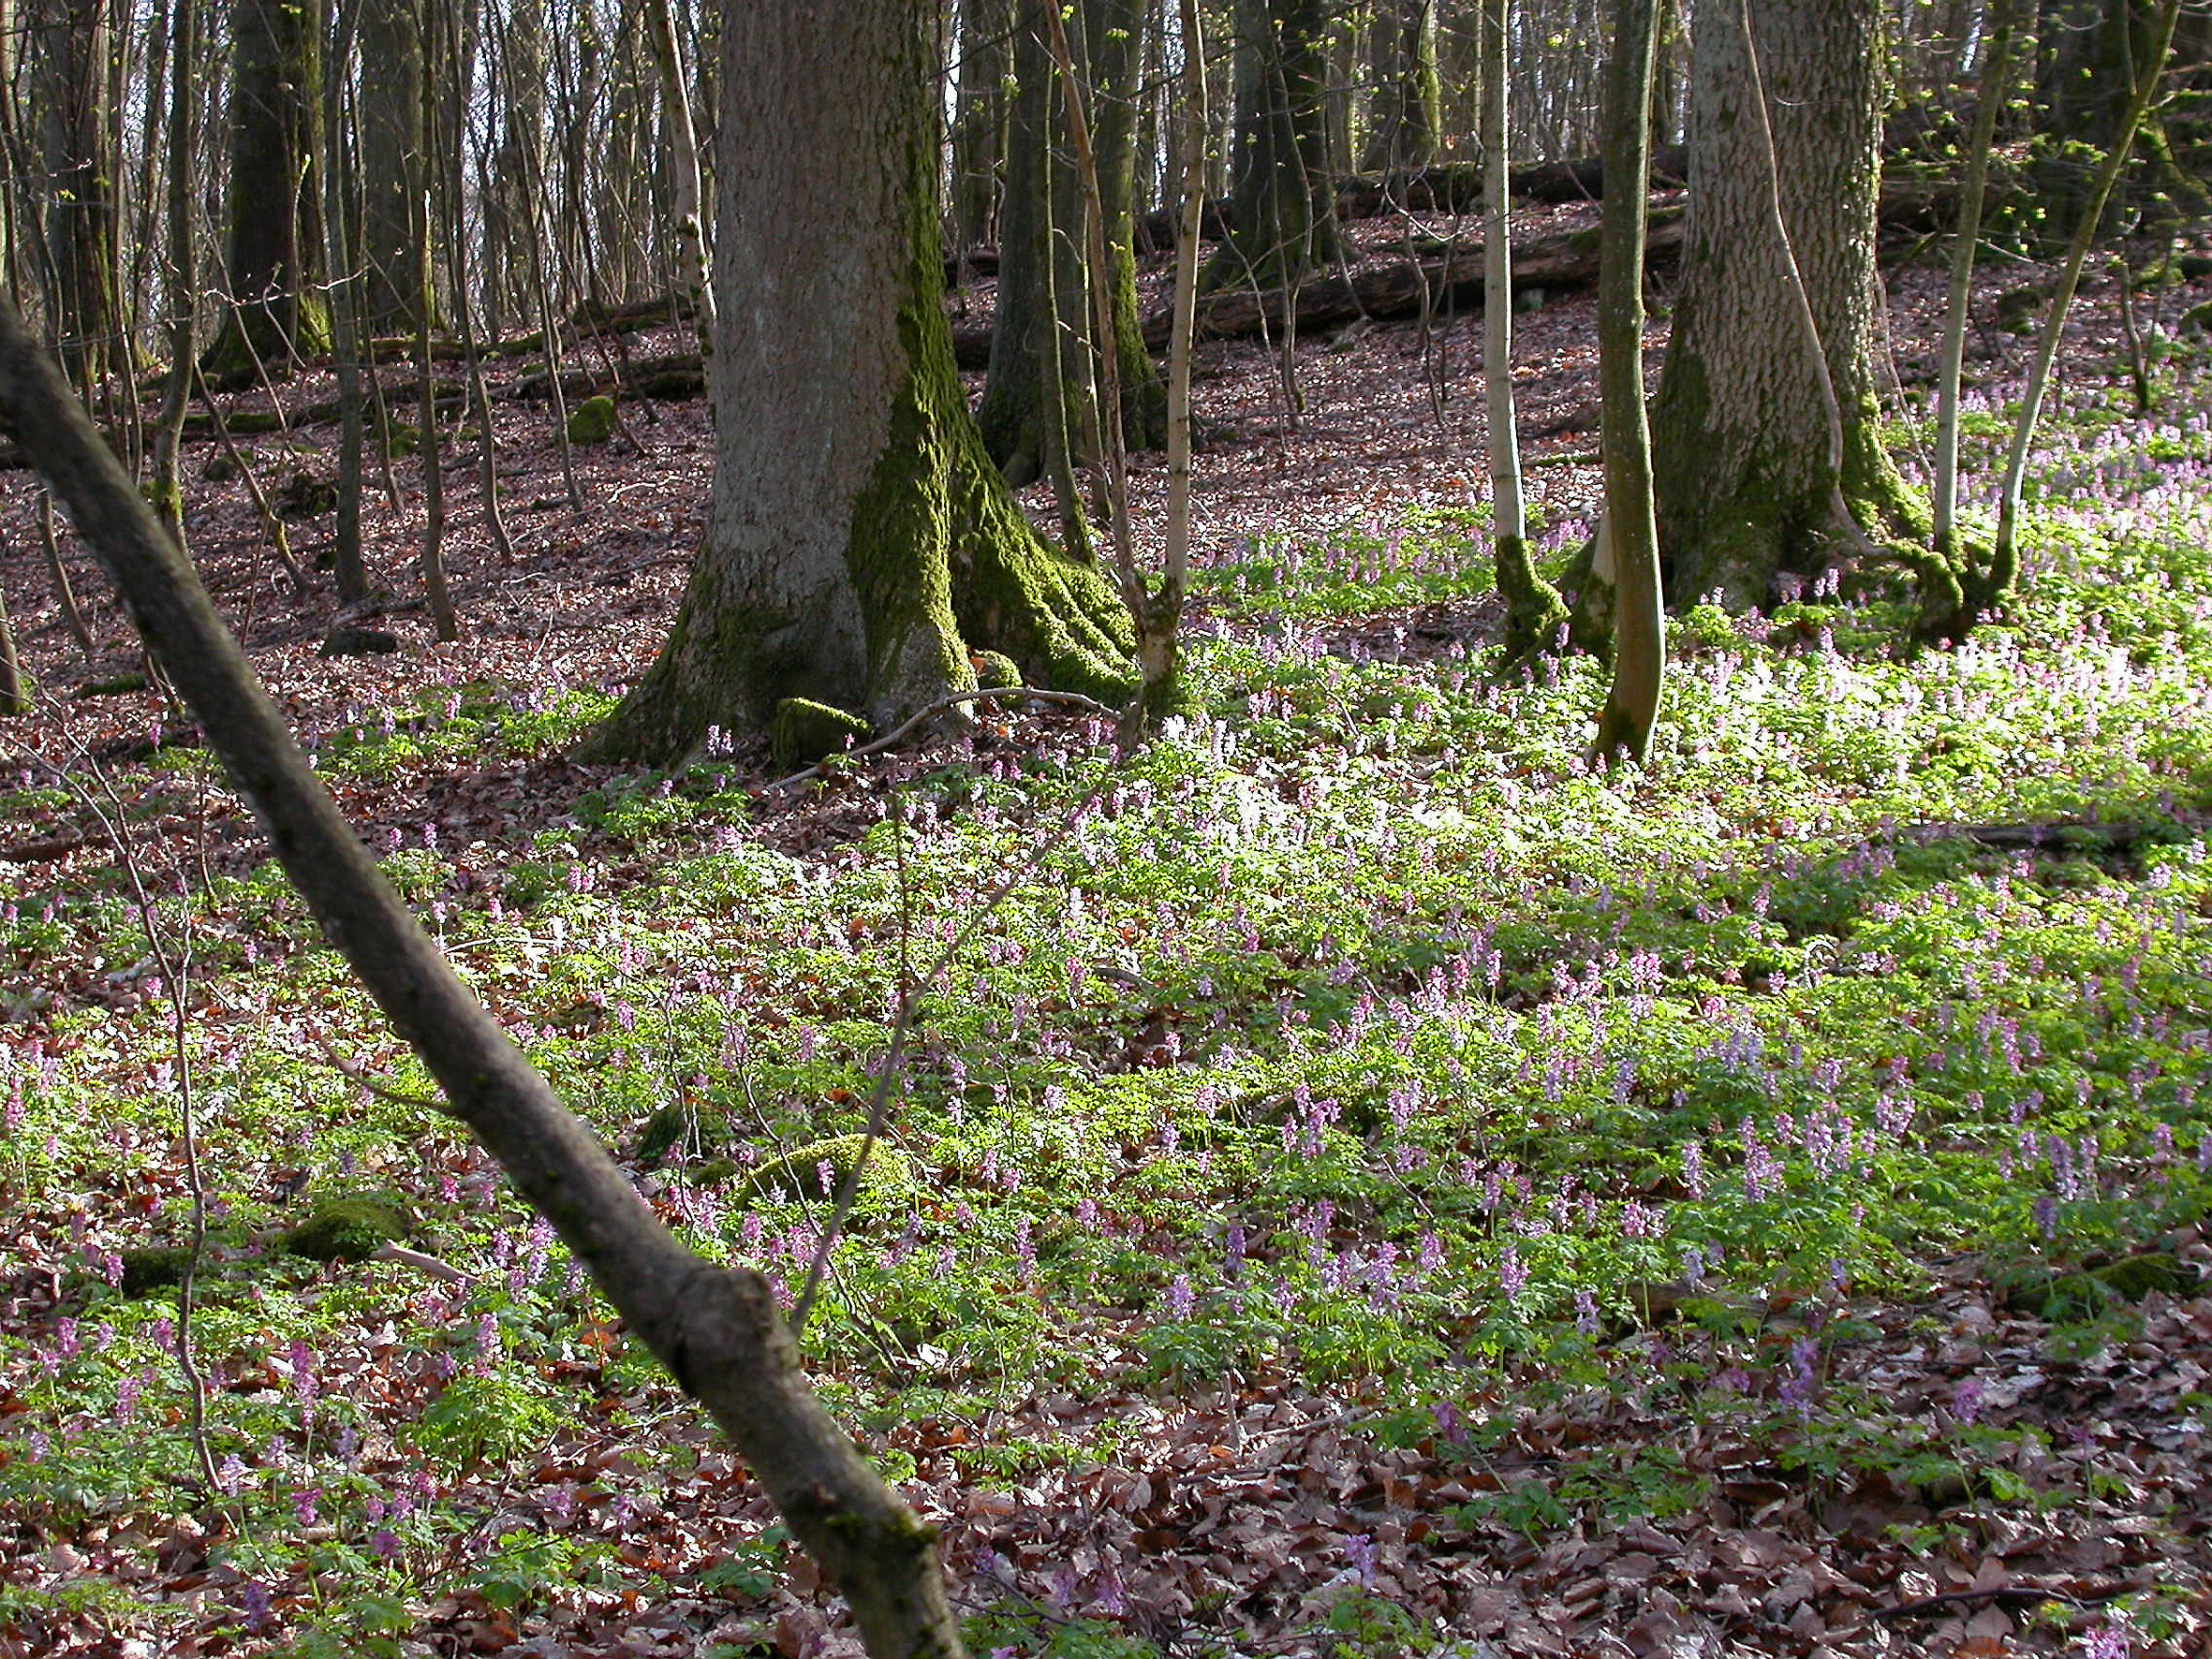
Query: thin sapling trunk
[[1535, 613]]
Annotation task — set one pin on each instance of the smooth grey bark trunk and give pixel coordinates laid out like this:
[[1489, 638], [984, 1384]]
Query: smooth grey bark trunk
[[183, 297], [1997, 68], [859, 539], [1533, 610]]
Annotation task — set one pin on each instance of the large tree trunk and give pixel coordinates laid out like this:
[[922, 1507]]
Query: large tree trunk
[[390, 147], [68, 41], [859, 538], [1043, 280], [275, 192], [1282, 217], [1407, 118], [1743, 426]]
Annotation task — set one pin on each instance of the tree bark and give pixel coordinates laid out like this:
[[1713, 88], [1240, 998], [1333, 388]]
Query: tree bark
[[1631, 528], [859, 538], [980, 130], [1997, 68], [275, 193], [1042, 221], [1281, 213], [70, 44], [1748, 474], [1533, 610], [391, 146], [1407, 117]]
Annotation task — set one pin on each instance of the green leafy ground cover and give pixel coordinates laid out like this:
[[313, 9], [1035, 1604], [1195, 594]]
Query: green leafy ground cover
[[1368, 1184]]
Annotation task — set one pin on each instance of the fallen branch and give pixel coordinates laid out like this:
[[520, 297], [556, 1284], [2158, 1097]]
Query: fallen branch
[[719, 1329], [415, 1259]]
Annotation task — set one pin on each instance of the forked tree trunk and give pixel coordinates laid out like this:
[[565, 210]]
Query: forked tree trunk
[[1743, 424], [859, 539], [1631, 528], [718, 1330]]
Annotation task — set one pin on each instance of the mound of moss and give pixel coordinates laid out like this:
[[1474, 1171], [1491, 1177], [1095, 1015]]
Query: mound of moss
[[350, 1227], [592, 421], [817, 1170]]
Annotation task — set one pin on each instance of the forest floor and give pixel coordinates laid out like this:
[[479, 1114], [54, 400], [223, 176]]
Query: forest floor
[[1368, 1187]]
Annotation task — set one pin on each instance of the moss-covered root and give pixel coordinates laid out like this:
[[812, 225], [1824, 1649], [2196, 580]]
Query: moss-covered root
[[1873, 488], [803, 732], [1057, 617], [1536, 617]]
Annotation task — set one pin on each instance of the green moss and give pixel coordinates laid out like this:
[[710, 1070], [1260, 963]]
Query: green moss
[[1535, 613], [153, 1267], [2133, 1277], [347, 1228], [803, 732], [996, 672], [592, 421], [119, 685], [801, 1170]]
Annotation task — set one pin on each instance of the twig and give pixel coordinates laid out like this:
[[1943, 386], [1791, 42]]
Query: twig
[[1073, 699], [173, 968], [354, 1070], [903, 1028], [2028, 1594]]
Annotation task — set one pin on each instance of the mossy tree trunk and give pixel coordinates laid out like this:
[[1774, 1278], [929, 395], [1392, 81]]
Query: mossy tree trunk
[[858, 541], [1043, 280], [68, 42], [1638, 637], [391, 149], [1407, 119], [1282, 207], [1756, 439], [1533, 610], [275, 233]]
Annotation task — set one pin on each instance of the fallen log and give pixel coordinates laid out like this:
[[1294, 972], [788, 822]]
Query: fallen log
[[1448, 187], [1454, 283]]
